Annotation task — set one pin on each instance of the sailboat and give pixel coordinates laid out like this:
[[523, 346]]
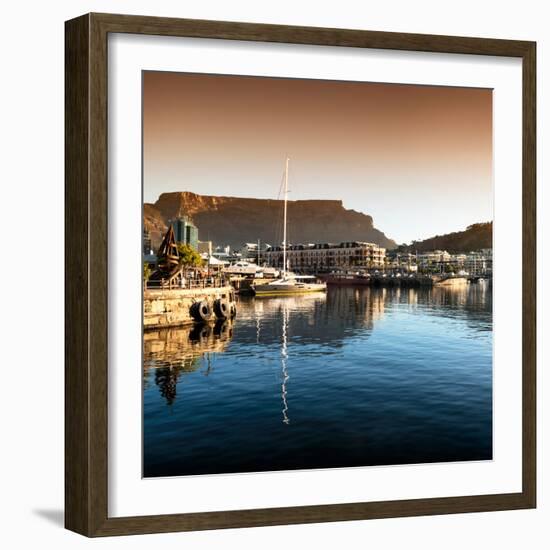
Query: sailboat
[[288, 283]]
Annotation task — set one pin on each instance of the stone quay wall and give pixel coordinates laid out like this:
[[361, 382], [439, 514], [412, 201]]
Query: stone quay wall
[[171, 308]]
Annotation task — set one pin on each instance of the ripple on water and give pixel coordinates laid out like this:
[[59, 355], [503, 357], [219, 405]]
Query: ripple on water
[[356, 377]]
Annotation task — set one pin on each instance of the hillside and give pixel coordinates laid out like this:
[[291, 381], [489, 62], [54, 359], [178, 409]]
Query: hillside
[[475, 237], [234, 221]]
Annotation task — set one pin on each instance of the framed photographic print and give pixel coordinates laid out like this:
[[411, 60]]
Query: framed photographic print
[[300, 275]]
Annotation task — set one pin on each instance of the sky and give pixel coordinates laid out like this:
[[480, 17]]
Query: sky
[[418, 159]]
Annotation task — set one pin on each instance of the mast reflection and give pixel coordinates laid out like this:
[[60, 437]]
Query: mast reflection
[[284, 366]]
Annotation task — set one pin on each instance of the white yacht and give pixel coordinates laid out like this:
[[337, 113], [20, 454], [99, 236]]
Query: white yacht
[[288, 282], [244, 268]]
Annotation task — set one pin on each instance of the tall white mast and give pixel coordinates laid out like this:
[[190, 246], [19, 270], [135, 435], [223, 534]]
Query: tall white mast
[[284, 217]]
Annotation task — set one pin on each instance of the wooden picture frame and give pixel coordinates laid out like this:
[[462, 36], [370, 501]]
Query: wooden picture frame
[[86, 282]]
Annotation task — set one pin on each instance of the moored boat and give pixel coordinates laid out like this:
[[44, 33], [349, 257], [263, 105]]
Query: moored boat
[[288, 283]]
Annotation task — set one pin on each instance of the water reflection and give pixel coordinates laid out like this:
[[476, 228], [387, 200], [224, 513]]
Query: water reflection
[[284, 359], [323, 319], [330, 319], [174, 352], [358, 376]]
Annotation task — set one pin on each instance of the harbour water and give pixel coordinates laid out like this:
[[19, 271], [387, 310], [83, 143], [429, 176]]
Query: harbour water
[[355, 377]]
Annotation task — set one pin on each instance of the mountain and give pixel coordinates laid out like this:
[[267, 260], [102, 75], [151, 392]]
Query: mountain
[[475, 237], [234, 220], [153, 222]]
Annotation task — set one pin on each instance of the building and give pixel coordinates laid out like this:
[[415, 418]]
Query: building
[[254, 252], [185, 231], [403, 261], [458, 261], [479, 262], [147, 247], [433, 260], [249, 251], [223, 253], [326, 257]]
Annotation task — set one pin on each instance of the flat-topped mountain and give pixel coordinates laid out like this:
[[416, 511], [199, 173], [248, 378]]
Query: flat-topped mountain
[[235, 220]]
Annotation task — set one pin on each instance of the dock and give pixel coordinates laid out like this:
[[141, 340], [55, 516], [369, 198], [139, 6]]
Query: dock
[[415, 280], [177, 307]]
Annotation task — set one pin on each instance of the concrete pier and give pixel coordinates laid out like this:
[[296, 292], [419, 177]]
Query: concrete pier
[[171, 308]]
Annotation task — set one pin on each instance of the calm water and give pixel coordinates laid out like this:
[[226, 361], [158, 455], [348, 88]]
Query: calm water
[[356, 377]]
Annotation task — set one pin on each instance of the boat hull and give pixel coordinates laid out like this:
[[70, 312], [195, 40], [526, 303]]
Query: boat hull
[[348, 281], [451, 281], [288, 290]]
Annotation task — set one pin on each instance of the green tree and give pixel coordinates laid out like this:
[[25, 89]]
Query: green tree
[[189, 257], [147, 271]]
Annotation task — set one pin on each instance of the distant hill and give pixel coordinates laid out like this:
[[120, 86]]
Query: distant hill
[[475, 237], [234, 221]]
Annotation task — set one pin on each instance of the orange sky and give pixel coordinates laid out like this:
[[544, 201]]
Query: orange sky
[[416, 158]]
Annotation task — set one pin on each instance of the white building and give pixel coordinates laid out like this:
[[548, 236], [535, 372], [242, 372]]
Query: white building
[[250, 251], [326, 257], [433, 258], [404, 261], [479, 262], [458, 260]]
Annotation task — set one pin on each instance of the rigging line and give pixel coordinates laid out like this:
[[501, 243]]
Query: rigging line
[[281, 185], [279, 223]]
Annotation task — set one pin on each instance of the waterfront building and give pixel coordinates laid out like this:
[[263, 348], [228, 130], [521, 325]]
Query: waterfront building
[[326, 257], [254, 252], [214, 264], [249, 251], [458, 260], [432, 259], [222, 254], [404, 261], [185, 231], [479, 262]]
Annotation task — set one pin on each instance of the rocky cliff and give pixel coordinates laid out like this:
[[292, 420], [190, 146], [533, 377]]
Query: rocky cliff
[[234, 221]]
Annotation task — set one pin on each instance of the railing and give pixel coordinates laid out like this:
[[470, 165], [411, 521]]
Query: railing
[[187, 284], [208, 282]]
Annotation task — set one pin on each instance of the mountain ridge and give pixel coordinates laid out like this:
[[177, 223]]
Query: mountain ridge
[[235, 220], [475, 237]]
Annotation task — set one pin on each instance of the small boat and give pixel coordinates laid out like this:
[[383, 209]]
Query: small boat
[[288, 283], [244, 268]]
